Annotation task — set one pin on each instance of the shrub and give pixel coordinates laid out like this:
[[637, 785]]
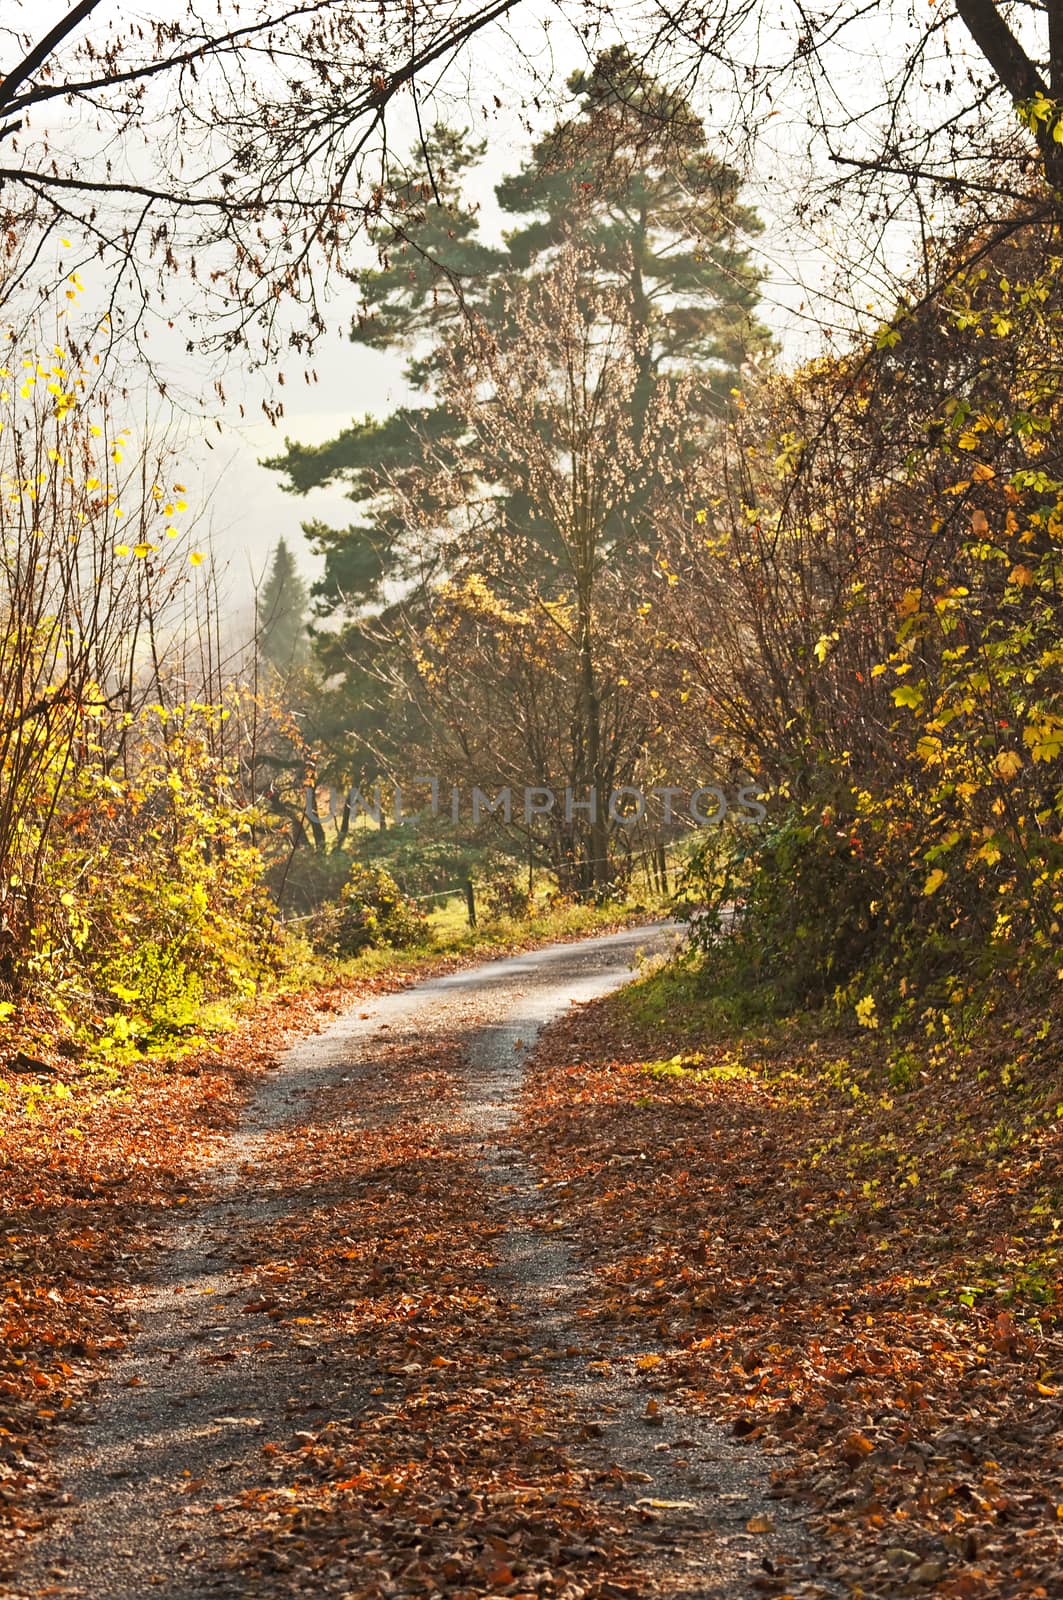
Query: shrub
[[802, 898], [152, 901], [371, 910], [506, 896]]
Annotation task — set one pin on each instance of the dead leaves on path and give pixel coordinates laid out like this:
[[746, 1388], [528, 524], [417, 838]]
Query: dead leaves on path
[[862, 1289], [801, 1253], [447, 1469], [422, 1449], [87, 1180]]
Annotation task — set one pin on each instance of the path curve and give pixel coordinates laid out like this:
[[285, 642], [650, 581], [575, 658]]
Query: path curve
[[199, 1386]]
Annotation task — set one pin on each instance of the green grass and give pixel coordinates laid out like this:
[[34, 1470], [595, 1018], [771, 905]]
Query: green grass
[[699, 994], [450, 929], [450, 934], [132, 1038]]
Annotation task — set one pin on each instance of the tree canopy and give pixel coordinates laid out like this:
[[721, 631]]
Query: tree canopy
[[552, 365]]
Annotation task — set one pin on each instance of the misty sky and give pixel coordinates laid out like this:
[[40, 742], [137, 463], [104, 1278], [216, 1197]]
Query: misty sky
[[816, 284]]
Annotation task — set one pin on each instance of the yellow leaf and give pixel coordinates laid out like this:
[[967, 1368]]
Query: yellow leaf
[[934, 882], [196, 558], [1007, 763]]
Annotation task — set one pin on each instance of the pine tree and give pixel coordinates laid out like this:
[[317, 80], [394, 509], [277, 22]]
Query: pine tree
[[281, 623], [431, 274], [627, 187], [630, 179]]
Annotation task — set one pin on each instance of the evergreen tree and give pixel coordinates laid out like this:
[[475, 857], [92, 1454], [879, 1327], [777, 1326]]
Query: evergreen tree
[[631, 179], [432, 272], [281, 621], [626, 185]]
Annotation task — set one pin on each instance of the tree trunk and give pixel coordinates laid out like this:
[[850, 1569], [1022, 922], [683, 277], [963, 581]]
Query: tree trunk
[[1017, 73], [591, 717], [640, 305]]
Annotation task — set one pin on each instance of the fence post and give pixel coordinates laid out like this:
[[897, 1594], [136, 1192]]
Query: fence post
[[470, 901]]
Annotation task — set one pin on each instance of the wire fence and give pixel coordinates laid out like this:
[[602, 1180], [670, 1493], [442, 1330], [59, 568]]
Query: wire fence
[[466, 888]]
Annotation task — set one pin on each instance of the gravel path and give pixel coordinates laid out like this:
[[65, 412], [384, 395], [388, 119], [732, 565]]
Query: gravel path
[[698, 1491], [177, 1432]]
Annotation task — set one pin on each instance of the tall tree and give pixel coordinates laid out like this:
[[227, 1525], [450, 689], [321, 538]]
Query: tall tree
[[272, 121], [281, 621], [630, 177], [433, 270], [625, 193], [552, 418]]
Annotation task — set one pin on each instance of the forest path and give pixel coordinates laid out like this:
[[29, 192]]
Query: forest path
[[363, 1370]]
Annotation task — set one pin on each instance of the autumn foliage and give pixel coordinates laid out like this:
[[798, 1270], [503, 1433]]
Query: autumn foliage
[[884, 549], [129, 864]]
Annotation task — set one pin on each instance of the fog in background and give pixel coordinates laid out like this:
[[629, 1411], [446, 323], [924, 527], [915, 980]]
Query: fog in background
[[820, 283]]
